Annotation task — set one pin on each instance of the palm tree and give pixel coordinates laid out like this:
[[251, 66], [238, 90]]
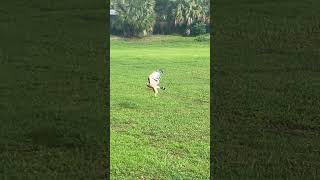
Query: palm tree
[[135, 17], [190, 11], [164, 16]]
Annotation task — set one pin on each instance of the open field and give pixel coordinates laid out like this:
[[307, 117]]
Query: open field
[[266, 93], [52, 90], [164, 137]]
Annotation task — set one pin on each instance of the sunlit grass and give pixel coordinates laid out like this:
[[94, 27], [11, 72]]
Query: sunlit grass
[[165, 137]]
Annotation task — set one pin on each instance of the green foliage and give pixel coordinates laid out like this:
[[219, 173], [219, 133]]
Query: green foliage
[[189, 11], [135, 17], [164, 16], [138, 17], [198, 28]]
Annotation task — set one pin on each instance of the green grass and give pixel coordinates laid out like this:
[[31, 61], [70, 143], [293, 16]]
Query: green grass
[[266, 91], [52, 91], [164, 137]]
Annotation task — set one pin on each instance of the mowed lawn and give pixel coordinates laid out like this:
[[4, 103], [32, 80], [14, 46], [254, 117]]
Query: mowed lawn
[[266, 89], [52, 91], [164, 137]]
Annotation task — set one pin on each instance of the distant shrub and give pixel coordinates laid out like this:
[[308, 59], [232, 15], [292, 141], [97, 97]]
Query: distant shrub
[[198, 29], [202, 38]]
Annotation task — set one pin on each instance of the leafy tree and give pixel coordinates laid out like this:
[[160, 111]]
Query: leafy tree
[[188, 12], [135, 17], [164, 16]]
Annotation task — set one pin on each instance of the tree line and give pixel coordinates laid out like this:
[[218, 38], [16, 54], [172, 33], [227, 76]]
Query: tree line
[[142, 17]]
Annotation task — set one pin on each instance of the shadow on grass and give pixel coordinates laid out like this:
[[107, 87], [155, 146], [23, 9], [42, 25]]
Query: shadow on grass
[[128, 105]]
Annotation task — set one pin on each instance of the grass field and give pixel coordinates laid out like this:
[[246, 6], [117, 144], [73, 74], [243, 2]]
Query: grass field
[[266, 93], [265, 103], [164, 137], [52, 90]]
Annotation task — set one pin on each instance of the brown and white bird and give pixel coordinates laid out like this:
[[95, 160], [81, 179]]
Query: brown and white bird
[[154, 81]]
